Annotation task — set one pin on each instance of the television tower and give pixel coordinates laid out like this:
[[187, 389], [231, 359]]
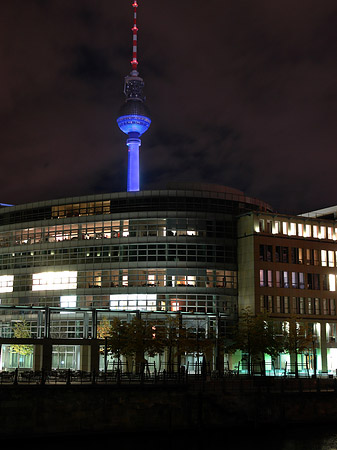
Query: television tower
[[134, 117]]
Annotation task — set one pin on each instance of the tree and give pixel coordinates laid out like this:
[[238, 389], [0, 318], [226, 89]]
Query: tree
[[255, 335], [246, 338], [274, 339], [103, 332], [117, 339], [193, 339], [298, 338], [143, 337], [21, 330], [172, 340], [104, 328]]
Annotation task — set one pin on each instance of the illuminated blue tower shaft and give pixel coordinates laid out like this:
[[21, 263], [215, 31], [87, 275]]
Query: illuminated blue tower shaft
[[134, 117], [133, 164]]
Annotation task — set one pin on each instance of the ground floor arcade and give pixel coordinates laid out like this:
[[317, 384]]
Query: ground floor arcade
[[58, 338]]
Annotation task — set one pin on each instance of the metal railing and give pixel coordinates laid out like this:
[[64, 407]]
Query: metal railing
[[120, 374], [223, 384], [170, 373]]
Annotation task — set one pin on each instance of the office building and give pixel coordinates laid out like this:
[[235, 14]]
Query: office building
[[65, 264]]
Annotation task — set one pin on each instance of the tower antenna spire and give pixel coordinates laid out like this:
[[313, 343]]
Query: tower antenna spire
[[134, 117], [134, 62]]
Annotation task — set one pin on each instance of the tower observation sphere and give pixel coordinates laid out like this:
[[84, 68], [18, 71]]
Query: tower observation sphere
[[134, 117]]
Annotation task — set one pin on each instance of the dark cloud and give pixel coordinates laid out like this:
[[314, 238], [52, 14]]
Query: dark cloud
[[241, 93]]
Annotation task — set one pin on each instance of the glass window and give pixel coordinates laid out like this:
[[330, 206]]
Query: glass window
[[292, 229], [266, 279], [277, 227], [300, 229], [68, 301], [261, 225], [307, 230], [332, 282], [54, 280], [146, 302], [266, 253], [322, 234], [313, 281], [331, 258], [285, 227], [315, 231], [330, 233], [6, 283], [324, 258], [281, 279]]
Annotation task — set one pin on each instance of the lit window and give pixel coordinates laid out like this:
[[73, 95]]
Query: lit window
[[322, 234], [277, 227], [266, 278], [147, 302], [324, 258], [308, 230], [332, 282], [68, 301], [300, 229], [6, 283], [331, 258], [262, 278], [294, 280], [125, 280], [292, 229], [285, 227], [330, 233], [151, 279], [47, 281], [315, 231], [317, 328], [191, 280], [175, 306]]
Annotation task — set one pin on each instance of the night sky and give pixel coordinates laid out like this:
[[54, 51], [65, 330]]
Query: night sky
[[241, 93]]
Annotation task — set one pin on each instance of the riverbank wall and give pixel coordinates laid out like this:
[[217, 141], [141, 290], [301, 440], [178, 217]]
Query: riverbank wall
[[40, 410]]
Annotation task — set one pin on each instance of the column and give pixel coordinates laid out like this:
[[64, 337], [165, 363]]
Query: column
[[47, 351], [324, 355]]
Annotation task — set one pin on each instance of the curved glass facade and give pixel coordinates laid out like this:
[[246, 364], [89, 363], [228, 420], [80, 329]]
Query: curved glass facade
[[170, 251]]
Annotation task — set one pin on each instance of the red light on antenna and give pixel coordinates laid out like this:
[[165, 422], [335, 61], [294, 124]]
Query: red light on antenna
[[134, 61]]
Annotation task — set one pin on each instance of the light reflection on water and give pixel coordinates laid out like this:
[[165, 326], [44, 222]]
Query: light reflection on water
[[302, 438], [308, 437]]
